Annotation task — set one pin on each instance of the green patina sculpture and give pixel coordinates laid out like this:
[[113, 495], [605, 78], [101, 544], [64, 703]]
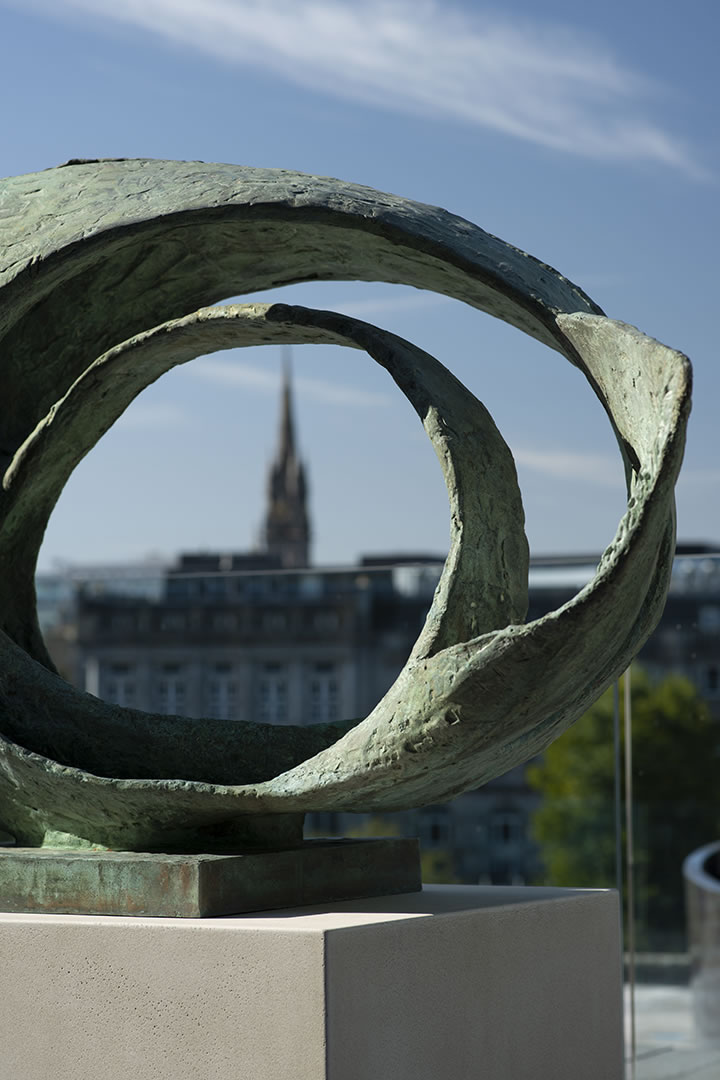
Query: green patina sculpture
[[103, 265]]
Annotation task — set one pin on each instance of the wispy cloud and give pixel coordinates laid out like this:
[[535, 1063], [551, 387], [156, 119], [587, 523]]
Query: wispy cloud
[[246, 377], [599, 469], [382, 305], [146, 416], [392, 300], [546, 83]]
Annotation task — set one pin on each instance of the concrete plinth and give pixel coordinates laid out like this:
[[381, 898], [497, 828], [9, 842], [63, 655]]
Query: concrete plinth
[[454, 983]]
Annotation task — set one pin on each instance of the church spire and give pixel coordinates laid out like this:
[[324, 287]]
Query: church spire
[[286, 442], [287, 526]]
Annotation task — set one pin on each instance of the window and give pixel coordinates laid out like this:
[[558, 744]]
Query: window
[[436, 827], [324, 694], [272, 695], [709, 618], [506, 828], [223, 696], [311, 585], [326, 621], [506, 872], [172, 691], [120, 685]]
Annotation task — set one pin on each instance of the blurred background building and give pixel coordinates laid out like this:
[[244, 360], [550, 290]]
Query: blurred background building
[[265, 636]]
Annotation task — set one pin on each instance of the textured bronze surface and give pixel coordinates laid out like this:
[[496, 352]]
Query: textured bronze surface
[[102, 265]]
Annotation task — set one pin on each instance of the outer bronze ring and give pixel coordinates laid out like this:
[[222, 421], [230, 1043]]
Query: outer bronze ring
[[482, 691]]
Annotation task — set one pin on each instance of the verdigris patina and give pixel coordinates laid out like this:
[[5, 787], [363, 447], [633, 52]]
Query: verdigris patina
[[104, 264]]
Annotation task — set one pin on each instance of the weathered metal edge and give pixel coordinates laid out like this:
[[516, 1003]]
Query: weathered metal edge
[[46, 881]]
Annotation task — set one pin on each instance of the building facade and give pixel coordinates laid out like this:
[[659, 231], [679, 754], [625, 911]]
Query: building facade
[[284, 647], [228, 637]]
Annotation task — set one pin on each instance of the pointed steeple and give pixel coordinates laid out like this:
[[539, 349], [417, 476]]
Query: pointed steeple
[[287, 526], [286, 441]]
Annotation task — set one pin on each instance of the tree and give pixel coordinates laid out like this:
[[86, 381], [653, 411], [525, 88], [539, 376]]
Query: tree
[[676, 774]]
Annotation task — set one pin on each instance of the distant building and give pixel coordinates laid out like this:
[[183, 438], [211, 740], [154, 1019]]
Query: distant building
[[231, 638], [276, 646], [687, 639], [299, 646], [264, 636]]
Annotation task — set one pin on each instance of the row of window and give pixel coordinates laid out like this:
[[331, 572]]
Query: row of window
[[324, 700], [170, 688], [223, 621], [504, 828], [499, 829]]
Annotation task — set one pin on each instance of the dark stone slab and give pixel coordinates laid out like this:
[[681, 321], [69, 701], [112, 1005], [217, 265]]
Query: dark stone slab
[[197, 886]]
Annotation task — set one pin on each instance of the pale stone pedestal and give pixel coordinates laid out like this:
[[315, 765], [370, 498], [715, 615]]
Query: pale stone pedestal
[[454, 983]]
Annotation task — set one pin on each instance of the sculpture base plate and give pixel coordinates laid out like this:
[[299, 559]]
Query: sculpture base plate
[[198, 886]]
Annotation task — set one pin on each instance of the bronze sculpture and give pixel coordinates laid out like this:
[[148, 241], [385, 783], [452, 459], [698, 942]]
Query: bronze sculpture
[[103, 266]]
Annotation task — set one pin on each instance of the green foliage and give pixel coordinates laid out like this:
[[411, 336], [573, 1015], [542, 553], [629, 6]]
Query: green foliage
[[676, 767], [373, 825], [438, 867]]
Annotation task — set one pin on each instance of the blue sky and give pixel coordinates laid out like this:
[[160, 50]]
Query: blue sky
[[587, 136]]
